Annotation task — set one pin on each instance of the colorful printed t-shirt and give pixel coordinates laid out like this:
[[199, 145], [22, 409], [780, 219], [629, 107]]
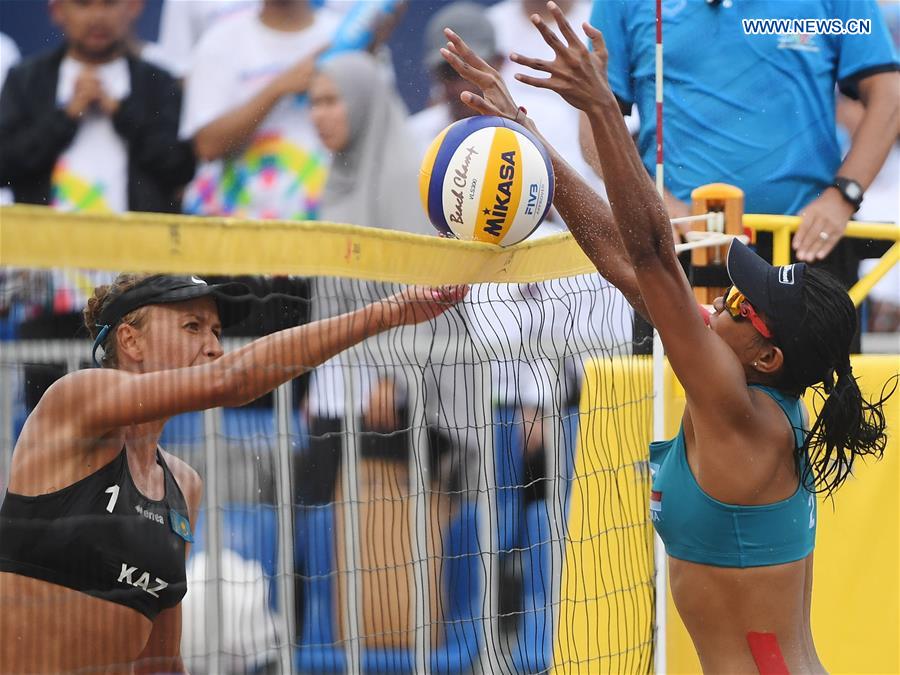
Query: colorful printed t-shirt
[[91, 175], [281, 172]]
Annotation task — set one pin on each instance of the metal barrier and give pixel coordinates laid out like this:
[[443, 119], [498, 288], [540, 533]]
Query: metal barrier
[[782, 227]]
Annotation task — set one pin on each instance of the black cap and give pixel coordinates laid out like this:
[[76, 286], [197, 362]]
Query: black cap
[[233, 300], [777, 292]]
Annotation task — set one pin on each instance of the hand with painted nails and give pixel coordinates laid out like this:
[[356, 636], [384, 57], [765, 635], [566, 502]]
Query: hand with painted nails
[[576, 74], [416, 304]]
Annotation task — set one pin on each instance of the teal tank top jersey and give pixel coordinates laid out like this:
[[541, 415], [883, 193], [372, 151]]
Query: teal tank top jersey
[[700, 529]]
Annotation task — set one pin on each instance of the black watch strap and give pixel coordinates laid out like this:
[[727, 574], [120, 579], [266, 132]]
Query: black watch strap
[[850, 190]]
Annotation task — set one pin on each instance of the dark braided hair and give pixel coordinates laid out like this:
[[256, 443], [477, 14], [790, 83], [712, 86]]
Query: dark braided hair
[[846, 426]]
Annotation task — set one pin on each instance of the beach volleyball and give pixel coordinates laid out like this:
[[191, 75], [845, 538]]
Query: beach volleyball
[[486, 179]]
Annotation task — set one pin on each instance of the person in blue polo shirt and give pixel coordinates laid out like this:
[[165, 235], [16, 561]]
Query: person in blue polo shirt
[[758, 111]]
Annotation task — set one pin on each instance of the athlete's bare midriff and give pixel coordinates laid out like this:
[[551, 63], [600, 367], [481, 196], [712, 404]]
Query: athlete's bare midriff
[[46, 628], [721, 606]]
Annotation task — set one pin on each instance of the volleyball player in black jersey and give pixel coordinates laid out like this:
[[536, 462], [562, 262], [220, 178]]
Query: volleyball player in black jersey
[[97, 520]]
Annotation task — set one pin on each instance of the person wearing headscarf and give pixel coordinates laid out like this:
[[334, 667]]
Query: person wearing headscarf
[[362, 120], [373, 182]]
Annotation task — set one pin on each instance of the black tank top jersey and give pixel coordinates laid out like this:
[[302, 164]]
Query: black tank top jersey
[[102, 537]]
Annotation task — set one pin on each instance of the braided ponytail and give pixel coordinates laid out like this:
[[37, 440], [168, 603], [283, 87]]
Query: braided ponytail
[[846, 426]]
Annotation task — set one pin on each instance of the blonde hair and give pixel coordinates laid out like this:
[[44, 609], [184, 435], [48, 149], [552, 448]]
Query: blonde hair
[[100, 300]]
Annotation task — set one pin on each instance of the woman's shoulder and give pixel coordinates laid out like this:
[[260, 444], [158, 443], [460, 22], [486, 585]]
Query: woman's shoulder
[[187, 478]]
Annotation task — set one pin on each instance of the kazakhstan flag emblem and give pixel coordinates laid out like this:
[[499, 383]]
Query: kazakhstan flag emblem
[[180, 526]]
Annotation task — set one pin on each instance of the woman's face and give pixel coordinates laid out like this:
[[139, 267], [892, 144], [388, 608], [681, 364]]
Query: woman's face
[[180, 334], [329, 113], [739, 334]]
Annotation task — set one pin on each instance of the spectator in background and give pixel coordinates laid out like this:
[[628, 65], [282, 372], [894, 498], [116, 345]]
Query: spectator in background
[[766, 122], [183, 22], [361, 120], [470, 21], [247, 113], [88, 127], [9, 56]]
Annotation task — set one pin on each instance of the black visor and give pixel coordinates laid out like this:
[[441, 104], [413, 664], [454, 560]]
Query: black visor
[[777, 292], [232, 299]]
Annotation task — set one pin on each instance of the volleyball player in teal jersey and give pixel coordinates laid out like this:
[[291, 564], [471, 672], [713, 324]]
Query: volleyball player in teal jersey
[[734, 493], [96, 524]]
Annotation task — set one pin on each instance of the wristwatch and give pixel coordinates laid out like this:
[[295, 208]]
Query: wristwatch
[[850, 190]]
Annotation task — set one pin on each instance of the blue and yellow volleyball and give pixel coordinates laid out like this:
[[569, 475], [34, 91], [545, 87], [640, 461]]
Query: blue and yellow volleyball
[[486, 179]]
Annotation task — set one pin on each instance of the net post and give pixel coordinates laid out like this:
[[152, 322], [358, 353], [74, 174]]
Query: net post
[[350, 512], [419, 472], [285, 515], [659, 551], [211, 431]]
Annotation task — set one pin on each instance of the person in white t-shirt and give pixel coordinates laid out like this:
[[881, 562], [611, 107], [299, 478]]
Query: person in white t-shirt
[[469, 20], [183, 22], [247, 112]]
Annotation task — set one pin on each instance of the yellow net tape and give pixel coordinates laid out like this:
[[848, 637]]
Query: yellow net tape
[[38, 237]]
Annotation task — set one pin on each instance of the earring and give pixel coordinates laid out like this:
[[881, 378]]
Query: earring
[[754, 364]]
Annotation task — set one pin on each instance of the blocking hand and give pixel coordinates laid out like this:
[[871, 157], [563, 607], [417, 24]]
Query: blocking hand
[[576, 74]]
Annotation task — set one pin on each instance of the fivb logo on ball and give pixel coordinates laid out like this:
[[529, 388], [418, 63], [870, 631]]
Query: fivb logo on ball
[[486, 179]]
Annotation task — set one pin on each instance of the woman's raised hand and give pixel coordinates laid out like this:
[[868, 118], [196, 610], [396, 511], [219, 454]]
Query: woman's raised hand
[[576, 74], [495, 98]]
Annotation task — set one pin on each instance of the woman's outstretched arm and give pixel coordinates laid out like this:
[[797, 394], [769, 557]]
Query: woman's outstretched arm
[[98, 400]]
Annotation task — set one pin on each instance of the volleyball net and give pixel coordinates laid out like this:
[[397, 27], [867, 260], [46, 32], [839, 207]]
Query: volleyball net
[[465, 494]]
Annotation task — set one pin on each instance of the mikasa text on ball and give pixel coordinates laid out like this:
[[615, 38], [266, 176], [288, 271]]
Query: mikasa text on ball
[[486, 179]]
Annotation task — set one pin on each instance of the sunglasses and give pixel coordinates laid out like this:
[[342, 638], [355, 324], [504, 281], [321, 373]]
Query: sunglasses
[[738, 307]]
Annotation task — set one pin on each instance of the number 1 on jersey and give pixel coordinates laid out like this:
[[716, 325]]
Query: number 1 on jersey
[[113, 492]]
